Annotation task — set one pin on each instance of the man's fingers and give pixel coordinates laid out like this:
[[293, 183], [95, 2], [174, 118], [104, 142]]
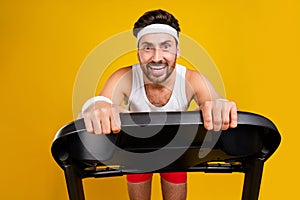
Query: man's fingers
[[104, 114], [88, 125], [233, 116], [102, 117], [115, 125], [217, 116], [207, 115], [225, 118], [115, 121], [96, 125]]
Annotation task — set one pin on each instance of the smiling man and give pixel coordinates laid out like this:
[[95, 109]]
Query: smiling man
[[157, 84]]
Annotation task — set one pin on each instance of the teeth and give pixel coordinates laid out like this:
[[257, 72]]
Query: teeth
[[157, 67]]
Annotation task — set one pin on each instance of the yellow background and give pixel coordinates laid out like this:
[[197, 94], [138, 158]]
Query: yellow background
[[255, 45]]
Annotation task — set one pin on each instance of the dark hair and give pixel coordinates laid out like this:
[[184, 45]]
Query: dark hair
[[155, 17]]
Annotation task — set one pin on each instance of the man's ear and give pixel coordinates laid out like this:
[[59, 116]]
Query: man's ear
[[178, 51]]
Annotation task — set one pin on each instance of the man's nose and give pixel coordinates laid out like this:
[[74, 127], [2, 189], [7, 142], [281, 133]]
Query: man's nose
[[157, 55]]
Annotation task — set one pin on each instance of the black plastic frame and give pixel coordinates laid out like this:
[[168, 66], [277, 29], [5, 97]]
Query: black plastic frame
[[243, 149]]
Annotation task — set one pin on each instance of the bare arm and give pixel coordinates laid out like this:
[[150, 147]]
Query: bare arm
[[103, 117], [218, 114]]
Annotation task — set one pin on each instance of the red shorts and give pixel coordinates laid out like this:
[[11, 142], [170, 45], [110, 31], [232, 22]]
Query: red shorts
[[172, 177]]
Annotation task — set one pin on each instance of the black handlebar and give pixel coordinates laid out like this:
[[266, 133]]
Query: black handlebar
[[182, 135]]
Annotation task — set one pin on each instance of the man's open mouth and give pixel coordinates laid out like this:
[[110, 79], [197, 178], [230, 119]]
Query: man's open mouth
[[156, 67]]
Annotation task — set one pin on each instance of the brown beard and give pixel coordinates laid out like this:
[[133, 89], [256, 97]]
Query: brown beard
[[159, 81]]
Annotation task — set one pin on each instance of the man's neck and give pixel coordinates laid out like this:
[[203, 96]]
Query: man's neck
[[160, 93]]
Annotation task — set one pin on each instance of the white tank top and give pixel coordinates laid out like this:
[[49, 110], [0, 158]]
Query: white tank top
[[138, 101]]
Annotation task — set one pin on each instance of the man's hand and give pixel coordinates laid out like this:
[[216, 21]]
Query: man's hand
[[102, 117], [219, 114]]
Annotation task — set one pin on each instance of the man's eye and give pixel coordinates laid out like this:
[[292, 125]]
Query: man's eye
[[147, 48], [166, 46]]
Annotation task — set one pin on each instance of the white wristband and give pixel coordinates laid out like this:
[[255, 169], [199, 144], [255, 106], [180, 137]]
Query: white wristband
[[93, 100]]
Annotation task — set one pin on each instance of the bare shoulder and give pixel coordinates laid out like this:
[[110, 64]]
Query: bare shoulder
[[194, 77], [120, 77], [118, 83], [201, 87], [121, 73]]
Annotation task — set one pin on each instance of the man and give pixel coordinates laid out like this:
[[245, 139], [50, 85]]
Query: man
[[157, 83]]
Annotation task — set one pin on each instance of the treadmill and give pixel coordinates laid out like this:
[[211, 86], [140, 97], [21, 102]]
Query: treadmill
[[166, 142]]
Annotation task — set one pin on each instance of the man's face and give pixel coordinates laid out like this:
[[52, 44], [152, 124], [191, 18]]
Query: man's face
[[157, 55]]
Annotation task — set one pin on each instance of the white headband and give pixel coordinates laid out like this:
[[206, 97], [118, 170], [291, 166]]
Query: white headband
[[157, 28]]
